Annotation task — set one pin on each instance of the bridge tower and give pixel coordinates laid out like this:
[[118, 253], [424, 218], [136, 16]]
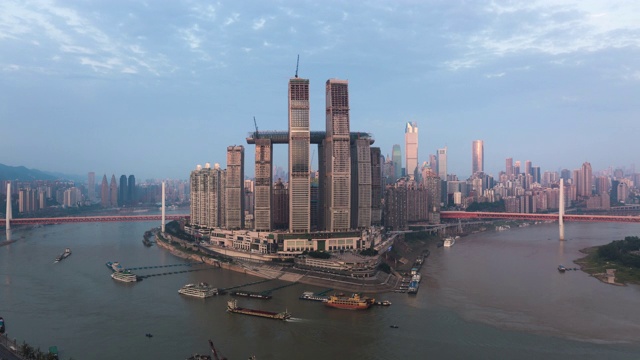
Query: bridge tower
[[8, 212], [163, 210], [561, 210]]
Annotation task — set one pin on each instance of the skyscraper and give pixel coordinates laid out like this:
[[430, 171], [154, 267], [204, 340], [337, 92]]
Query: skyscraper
[[91, 186], [262, 194], [105, 201], [376, 186], [396, 158], [299, 139], [123, 193], [361, 184], [509, 168], [113, 192], [477, 156], [131, 190], [585, 180], [234, 191], [411, 149], [337, 157], [207, 189], [442, 164]]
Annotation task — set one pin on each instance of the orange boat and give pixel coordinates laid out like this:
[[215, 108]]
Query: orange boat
[[355, 302]]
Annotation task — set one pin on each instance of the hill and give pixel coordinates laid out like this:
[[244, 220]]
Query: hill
[[21, 173]]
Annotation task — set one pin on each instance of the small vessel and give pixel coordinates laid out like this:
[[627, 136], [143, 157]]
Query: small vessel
[[449, 241], [114, 266], [124, 276], [413, 287], [355, 302], [1, 326], [64, 255], [393, 326], [309, 295], [232, 307], [561, 268], [383, 303], [201, 290], [251, 294], [149, 335]]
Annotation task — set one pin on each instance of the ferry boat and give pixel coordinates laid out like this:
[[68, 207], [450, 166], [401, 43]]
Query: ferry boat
[[309, 295], [64, 255], [202, 290], [449, 241], [232, 307], [114, 266], [124, 276], [355, 302]]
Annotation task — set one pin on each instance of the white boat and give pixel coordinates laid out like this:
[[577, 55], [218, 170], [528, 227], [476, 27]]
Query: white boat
[[124, 276], [202, 290], [416, 278], [449, 241]]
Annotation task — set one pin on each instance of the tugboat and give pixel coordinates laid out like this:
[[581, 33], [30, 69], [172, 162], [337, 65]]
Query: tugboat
[[561, 268]]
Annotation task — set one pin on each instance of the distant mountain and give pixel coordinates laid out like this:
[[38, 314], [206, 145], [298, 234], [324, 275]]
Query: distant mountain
[[78, 179], [21, 173]]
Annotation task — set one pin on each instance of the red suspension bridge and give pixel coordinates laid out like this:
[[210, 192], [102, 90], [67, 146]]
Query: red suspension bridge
[[443, 215]]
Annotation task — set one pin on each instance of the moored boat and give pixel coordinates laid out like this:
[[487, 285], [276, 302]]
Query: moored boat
[[355, 302], [114, 266], [201, 290], [309, 295], [251, 294], [124, 276], [413, 287], [232, 307], [449, 241]]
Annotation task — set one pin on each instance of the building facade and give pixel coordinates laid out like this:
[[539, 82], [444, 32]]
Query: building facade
[[234, 190], [299, 141], [411, 149], [477, 156]]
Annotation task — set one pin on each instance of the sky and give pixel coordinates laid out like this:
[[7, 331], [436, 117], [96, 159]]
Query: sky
[[154, 88]]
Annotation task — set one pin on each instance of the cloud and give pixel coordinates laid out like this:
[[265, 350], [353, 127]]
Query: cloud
[[231, 19], [259, 24], [498, 75], [192, 36]]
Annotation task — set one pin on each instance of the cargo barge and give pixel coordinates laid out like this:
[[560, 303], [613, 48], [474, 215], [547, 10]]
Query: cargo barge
[[232, 307], [250, 294]]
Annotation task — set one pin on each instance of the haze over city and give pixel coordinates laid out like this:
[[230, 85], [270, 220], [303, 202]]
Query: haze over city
[[156, 88]]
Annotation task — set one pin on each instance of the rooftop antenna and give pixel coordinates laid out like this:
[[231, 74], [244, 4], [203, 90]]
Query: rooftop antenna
[[297, 63]]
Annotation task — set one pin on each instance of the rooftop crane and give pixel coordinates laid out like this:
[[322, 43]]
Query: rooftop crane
[[256, 125]]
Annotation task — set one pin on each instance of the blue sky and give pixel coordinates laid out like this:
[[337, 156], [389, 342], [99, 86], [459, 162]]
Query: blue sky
[[154, 88]]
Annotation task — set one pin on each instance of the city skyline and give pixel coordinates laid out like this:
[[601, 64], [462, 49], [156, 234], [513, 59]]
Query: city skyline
[[150, 76]]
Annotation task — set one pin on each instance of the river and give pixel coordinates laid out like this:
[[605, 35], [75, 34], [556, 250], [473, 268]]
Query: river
[[492, 295]]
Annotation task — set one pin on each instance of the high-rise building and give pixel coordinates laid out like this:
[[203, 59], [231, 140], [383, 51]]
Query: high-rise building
[[123, 193], [207, 196], [337, 158], [509, 168], [477, 156], [91, 186], [131, 190], [411, 149], [262, 193], [113, 192], [299, 140], [234, 190], [396, 158], [442, 164], [585, 180], [105, 201], [280, 206], [527, 167], [361, 184], [376, 186]]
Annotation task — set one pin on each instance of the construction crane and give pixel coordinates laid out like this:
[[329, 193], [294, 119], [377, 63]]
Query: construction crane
[[313, 155], [215, 352], [297, 63], [256, 125]]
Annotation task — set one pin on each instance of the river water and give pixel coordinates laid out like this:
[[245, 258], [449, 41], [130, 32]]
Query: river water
[[492, 295]]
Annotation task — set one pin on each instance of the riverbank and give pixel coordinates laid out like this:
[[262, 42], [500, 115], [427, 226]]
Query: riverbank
[[608, 272]]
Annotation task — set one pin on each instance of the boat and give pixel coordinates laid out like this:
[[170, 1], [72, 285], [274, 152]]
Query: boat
[[1, 326], [149, 335], [394, 326], [232, 307], [64, 255], [416, 277], [355, 302], [124, 276], [413, 287], [561, 268], [449, 241], [114, 266], [251, 294], [201, 290], [309, 295], [383, 303]]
